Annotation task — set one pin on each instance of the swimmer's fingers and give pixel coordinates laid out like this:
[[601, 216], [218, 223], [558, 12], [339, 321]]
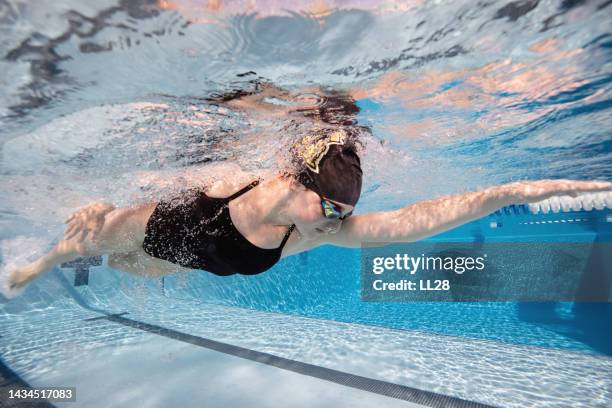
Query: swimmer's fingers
[[574, 187], [71, 231], [80, 237], [75, 215], [96, 228], [81, 213], [87, 222], [92, 210], [90, 229], [75, 226], [534, 191], [77, 232]]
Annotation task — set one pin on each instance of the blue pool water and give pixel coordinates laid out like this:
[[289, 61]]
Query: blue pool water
[[106, 101], [332, 290]]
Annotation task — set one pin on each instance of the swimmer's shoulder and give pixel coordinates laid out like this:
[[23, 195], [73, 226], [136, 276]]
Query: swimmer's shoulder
[[227, 178]]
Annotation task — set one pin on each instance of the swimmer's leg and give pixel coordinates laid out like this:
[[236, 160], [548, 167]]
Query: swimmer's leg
[[142, 264], [123, 232]]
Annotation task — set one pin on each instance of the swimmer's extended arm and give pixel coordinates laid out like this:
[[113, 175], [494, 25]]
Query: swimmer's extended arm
[[431, 217]]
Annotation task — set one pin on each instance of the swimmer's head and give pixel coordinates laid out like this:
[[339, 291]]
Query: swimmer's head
[[329, 165]]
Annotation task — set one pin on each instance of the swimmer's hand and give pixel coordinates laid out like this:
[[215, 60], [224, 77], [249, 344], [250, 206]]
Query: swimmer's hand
[[524, 192], [87, 221]]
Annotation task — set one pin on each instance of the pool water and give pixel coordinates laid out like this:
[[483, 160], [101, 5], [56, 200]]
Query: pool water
[[108, 101]]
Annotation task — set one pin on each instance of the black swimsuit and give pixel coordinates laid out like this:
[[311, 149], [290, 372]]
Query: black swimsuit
[[196, 231]]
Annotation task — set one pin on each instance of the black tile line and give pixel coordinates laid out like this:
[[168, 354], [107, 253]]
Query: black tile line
[[11, 380], [91, 319], [384, 388]]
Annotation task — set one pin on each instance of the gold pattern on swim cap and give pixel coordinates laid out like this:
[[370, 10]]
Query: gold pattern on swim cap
[[312, 148]]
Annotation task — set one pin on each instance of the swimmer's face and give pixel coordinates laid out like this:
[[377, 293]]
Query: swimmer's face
[[311, 220]]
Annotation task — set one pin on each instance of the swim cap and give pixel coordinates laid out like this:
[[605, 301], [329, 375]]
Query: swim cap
[[331, 166]]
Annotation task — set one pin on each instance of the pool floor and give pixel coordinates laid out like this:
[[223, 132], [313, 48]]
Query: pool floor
[[113, 362]]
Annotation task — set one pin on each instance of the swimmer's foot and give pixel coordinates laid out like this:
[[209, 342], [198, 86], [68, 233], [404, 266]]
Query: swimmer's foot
[[20, 277]]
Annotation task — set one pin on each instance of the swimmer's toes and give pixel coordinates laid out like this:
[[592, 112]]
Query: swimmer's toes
[[20, 277], [11, 288], [14, 281]]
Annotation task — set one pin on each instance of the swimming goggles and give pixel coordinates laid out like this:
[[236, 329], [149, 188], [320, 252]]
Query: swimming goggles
[[332, 211]]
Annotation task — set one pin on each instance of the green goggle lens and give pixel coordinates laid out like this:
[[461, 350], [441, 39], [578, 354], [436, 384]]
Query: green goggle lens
[[331, 211]]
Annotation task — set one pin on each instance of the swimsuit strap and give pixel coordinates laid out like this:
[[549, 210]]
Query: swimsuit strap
[[243, 190], [247, 188], [291, 228]]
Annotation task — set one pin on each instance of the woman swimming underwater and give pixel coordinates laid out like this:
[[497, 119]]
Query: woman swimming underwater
[[245, 223]]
